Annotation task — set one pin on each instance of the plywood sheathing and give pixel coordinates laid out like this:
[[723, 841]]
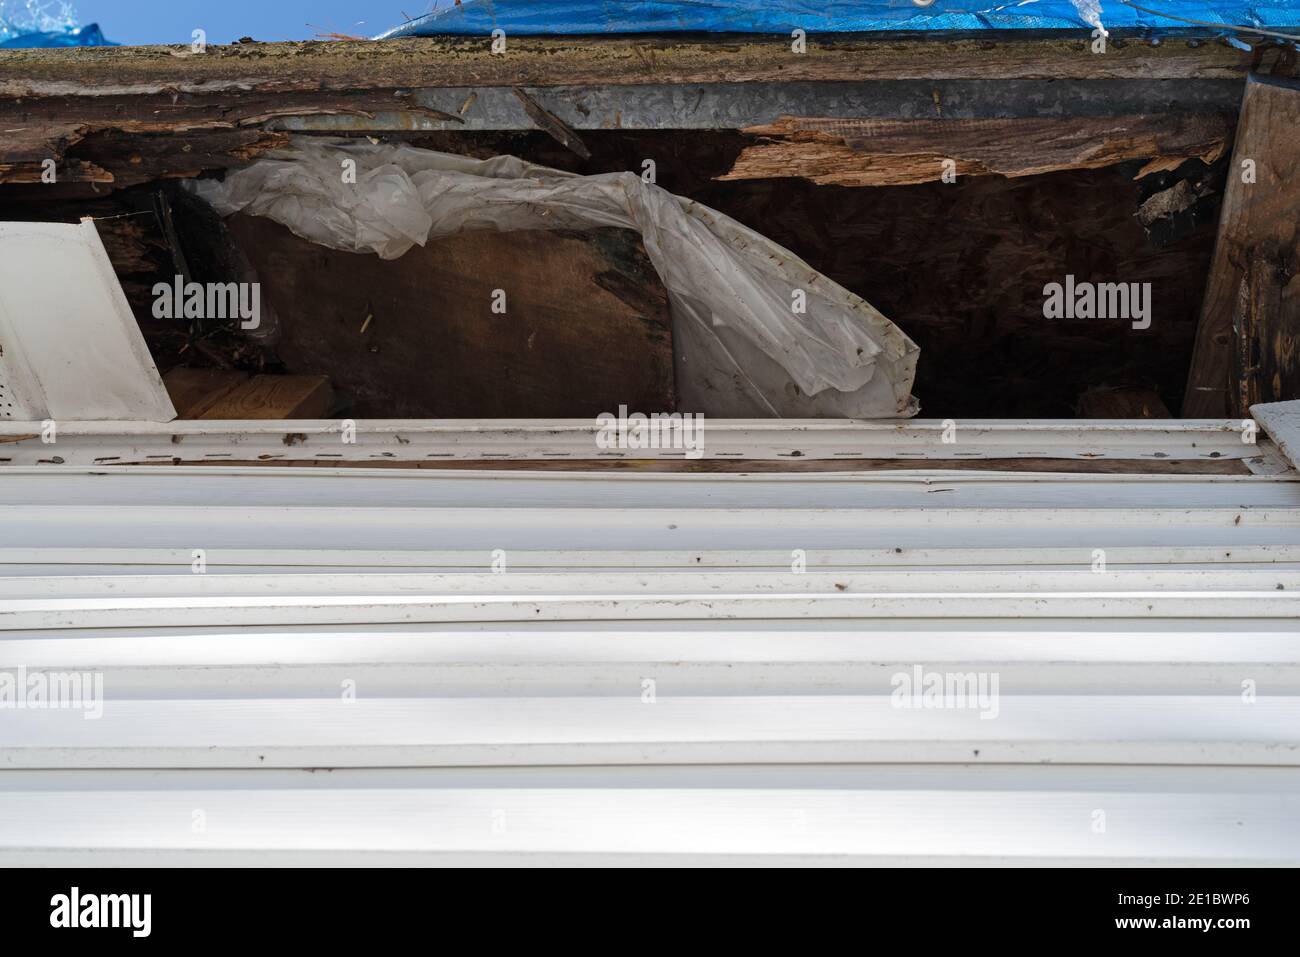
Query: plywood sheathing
[[586, 326]]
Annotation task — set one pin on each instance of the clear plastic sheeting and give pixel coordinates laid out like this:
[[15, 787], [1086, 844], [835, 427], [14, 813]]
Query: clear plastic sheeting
[[758, 332], [525, 17]]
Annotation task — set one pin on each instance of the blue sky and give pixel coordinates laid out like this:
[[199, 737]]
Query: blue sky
[[172, 21]]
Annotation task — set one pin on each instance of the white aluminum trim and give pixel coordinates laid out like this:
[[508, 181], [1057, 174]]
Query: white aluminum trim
[[37, 562], [37, 615], [1281, 420], [695, 582], [1056, 656], [885, 815], [428, 441]]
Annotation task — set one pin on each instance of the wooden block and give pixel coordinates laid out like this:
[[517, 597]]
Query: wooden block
[[586, 326], [194, 391], [215, 394], [275, 397], [1248, 341], [1122, 403]]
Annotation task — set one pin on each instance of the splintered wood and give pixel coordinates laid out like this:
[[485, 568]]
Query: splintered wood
[[875, 152]]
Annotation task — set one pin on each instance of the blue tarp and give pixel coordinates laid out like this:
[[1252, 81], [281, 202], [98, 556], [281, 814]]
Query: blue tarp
[[87, 36], [533, 17]]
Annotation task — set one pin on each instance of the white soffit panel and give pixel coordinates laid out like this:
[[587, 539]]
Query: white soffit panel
[[1127, 642], [775, 814], [71, 349]]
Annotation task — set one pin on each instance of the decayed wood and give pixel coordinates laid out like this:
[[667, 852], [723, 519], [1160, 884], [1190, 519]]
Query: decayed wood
[[138, 139], [142, 159], [585, 329], [56, 98], [537, 61], [1266, 327], [962, 267], [25, 149], [1248, 340], [856, 152], [179, 113]]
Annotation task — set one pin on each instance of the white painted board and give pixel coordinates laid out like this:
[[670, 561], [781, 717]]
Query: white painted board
[[71, 348], [350, 620], [1026, 815], [1281, 420]]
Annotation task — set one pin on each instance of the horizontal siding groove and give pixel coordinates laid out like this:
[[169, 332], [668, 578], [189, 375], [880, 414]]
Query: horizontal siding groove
[[530, 668], [468, 732]]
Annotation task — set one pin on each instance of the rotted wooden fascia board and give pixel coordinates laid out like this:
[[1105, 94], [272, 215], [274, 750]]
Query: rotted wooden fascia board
[[883, 132], [123, 109], [24, 150], [223, 108], [449, 61]]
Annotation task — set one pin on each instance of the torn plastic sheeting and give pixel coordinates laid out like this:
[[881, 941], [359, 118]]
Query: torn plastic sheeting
[[558, 17], [742, 347]]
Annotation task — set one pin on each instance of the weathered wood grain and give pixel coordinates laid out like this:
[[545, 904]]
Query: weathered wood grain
[[152, 112], [221, 394], [1248, 340], [539, 61], [586, 326], [876, 152]]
